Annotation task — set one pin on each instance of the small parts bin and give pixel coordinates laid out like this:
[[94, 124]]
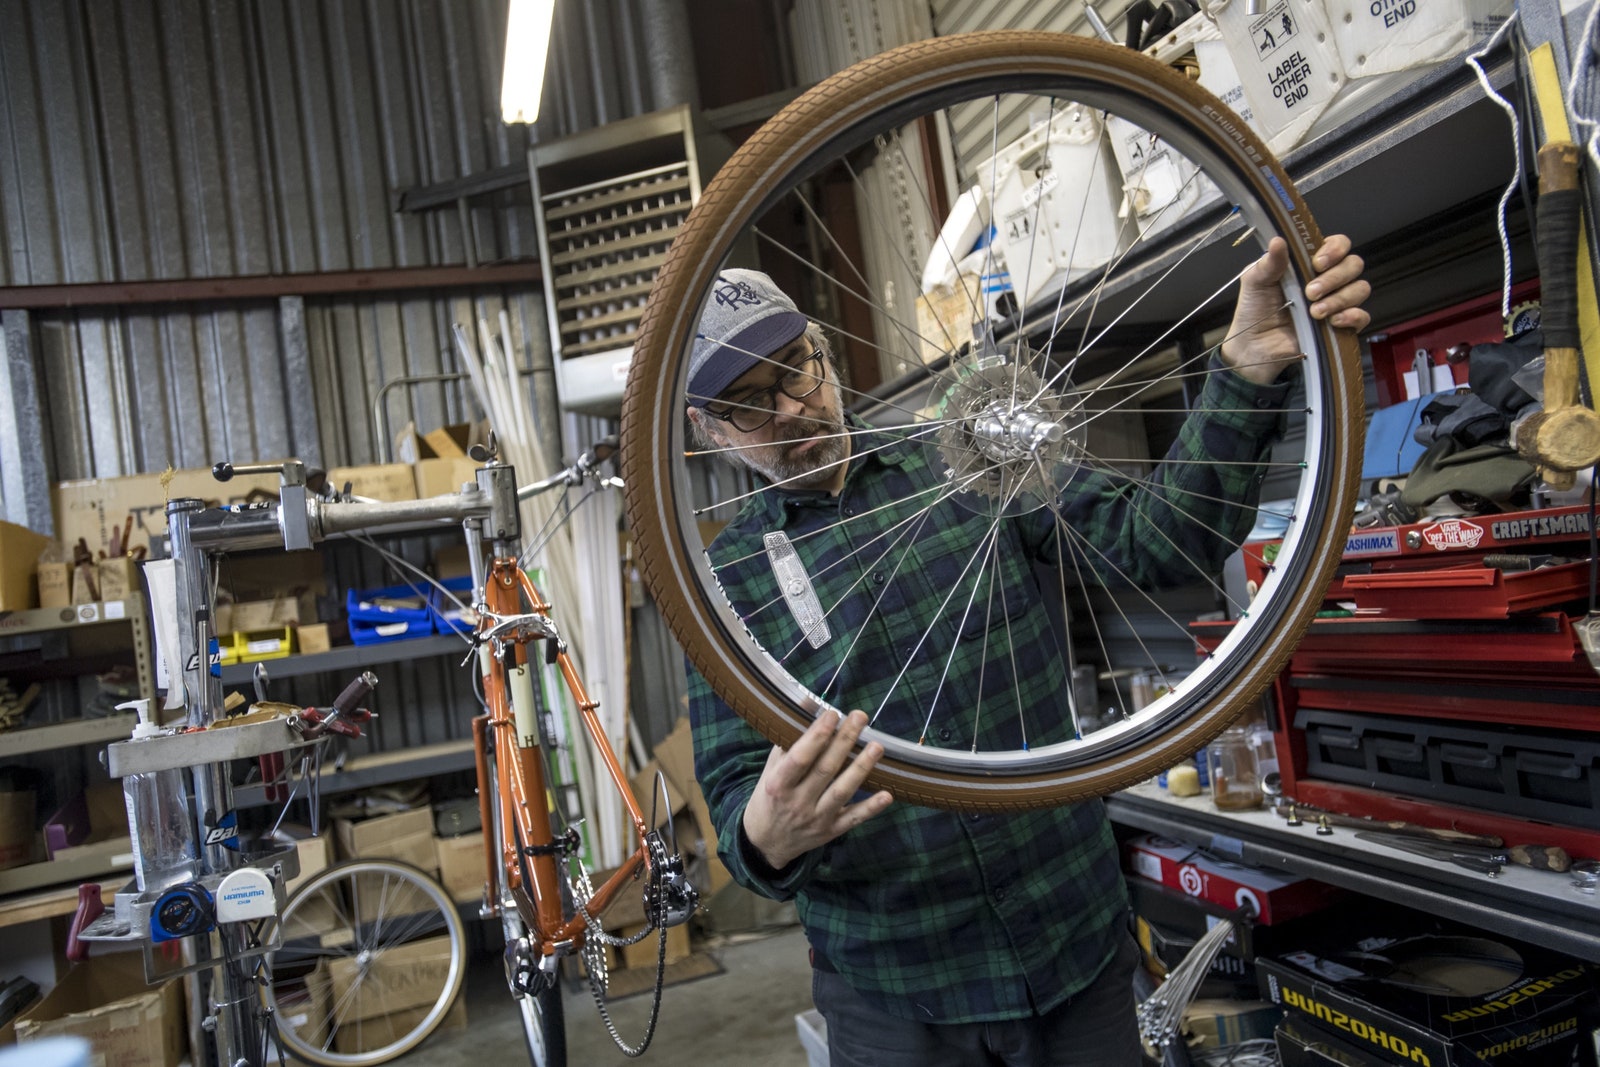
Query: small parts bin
[[389, 614], [448, 615]]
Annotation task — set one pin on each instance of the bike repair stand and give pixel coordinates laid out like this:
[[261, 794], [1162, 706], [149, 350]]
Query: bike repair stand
[[211, 900]]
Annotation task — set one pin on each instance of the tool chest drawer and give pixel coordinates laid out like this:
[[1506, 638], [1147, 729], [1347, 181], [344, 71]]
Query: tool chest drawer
[[1551, 777]]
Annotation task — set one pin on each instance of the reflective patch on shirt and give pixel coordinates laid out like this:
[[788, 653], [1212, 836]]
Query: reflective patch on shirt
[[798, 592]]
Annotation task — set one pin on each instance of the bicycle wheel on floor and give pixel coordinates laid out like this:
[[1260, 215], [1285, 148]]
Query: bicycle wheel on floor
[[372, 960], [1022, 404]]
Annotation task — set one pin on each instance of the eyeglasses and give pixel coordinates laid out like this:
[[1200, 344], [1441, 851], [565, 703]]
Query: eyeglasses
[[755, 409]]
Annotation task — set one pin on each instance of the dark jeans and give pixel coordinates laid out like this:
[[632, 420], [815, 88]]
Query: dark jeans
[[1096, 1028]]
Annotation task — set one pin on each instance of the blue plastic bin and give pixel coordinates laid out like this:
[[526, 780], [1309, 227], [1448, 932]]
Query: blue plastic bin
[[370, 624], [447, 618]]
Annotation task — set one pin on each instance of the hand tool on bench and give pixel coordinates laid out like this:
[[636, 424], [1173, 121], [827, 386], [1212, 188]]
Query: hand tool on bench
[[1534, 857], [1482, 862], [1391, 826]]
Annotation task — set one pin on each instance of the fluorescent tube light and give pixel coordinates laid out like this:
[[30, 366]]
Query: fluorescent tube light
[[527, 51]]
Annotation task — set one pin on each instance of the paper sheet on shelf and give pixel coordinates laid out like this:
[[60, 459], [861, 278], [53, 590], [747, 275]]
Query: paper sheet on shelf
[[162, 576]]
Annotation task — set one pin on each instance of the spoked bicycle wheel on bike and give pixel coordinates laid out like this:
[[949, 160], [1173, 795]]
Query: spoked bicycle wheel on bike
[[1043, 399], [372, 960], [543, 1015]]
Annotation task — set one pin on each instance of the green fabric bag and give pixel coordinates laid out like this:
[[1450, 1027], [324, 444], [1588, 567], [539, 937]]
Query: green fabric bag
[[1482, 477]]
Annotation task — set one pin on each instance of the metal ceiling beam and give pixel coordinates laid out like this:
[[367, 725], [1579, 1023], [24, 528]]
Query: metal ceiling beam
[[267, 286]]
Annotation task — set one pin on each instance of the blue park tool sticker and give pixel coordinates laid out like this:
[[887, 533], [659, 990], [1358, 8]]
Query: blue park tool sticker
[[225, 832]]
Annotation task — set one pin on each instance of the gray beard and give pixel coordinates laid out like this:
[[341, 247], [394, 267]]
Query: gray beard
[[810, 470]]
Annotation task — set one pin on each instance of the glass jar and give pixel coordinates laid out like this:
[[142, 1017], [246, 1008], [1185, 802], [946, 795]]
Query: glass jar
[[1235, 772]]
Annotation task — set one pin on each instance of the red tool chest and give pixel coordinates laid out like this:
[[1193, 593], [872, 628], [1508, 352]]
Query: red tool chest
[[1447, 686]]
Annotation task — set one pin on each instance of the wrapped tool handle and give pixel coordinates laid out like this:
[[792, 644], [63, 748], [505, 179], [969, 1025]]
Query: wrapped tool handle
[[1565, 436], [1560, 216], [354, 693]]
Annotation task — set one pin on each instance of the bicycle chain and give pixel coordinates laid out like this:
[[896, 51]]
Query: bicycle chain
[[594, 957]]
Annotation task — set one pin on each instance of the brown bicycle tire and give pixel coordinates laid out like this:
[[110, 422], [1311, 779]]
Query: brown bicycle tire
[[653, 415]]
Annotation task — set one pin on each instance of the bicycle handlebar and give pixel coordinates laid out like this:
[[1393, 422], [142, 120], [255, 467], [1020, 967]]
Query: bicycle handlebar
[[587, 465]]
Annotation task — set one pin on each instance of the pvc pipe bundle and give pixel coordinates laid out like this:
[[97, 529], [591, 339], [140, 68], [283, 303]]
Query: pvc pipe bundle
[[497, 380]]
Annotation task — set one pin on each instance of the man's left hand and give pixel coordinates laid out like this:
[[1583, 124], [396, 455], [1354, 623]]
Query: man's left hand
[[1261, 340]]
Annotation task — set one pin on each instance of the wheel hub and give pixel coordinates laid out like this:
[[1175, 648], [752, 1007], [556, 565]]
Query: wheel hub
[[1012, 441]]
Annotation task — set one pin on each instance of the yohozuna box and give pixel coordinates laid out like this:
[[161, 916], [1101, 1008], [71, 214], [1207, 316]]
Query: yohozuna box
[[1441, 998]]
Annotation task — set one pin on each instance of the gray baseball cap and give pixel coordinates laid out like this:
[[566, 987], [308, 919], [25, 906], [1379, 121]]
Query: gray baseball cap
[[746, 319]]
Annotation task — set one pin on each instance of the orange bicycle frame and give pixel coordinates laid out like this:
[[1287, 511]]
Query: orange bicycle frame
[[521, 791]]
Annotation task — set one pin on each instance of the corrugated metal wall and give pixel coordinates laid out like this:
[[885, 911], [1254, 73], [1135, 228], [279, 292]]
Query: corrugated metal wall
[[177, 139], [180, 139]]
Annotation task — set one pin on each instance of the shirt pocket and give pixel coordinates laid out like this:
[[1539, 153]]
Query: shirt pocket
[[1006, 590]]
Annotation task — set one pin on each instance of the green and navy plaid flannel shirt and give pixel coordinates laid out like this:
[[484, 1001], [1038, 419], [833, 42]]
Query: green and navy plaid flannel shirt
[[933, 915]]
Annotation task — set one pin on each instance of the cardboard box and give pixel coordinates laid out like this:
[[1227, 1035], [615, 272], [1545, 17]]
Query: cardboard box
[[105, 1001], [383, 1030], [119, 578], [313, 916], [406, 836], [648, 793], [304, 1008], [99, 813], [380, 481], [17, 810], [1300, 1045], [314, 637], [272, 614], [627, 907], [85, 584], [643, 952], [269, 575], [437, 477], [19, 558], [315, 855], [675, 754], [404, 976], [1189, 869], [55, 585], [1422, 991], [733, 909], [461, 866], [92, 507], [1213, 1024]]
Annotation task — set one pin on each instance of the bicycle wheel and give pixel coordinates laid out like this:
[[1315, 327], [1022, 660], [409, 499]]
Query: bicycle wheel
[[544, 1025], [1024, 409], [372, 960]]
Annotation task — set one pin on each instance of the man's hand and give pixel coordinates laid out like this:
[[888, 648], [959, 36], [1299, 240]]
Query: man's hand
[[1261, 340], [803, 798]]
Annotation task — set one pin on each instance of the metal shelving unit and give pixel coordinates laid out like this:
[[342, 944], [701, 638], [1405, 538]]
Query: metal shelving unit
[[17, 626], [381, 768], [1540, 907], [346, 658]]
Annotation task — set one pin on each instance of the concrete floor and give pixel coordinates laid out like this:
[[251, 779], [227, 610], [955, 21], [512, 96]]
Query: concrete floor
[[742, 1016]]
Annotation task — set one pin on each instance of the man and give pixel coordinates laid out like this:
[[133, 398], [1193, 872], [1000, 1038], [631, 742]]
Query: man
[[939, 938]]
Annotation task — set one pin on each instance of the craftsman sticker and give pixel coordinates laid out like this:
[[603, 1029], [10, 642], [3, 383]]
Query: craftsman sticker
[[1377, 543], [1553, 525], [1453, 533]]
